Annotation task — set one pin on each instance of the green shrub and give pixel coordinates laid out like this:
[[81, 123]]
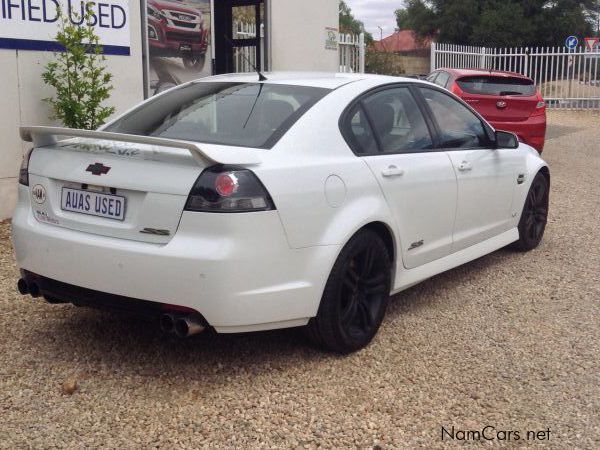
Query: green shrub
[[79, 76], [383, 63]]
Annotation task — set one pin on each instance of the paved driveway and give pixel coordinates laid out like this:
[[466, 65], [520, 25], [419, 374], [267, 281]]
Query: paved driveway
[[510, 341]]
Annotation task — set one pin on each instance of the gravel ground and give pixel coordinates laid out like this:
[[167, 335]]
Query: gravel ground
[[510, 341]]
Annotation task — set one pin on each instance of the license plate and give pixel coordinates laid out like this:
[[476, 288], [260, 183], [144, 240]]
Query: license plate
[[93, 203], [185, 48]]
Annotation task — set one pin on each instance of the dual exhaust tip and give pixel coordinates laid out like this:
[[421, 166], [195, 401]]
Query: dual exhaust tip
[[181, 326], [28, 288]]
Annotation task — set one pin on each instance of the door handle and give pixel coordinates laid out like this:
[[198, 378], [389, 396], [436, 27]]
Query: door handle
[[465, 166], [392, 171]]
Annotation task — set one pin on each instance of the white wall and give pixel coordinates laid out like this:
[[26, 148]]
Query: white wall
[[297, 35], [23, 91]]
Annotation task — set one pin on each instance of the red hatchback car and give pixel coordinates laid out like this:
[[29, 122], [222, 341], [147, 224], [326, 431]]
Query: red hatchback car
[[508, 100]]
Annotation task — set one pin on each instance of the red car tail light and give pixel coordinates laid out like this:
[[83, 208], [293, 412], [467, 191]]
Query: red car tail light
[[227, 189], [456, 90], [540, 107]]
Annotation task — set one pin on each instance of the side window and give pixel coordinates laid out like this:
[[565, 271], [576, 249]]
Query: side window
[[397, 121], [358, 133], [442, 79], [459, 127], [432, 76]]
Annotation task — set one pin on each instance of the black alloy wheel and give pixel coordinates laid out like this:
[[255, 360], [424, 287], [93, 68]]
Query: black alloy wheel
[[355, 297], [535, 214]]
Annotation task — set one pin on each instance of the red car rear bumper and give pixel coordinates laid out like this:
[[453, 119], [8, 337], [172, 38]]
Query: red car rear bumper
[[532, 131]]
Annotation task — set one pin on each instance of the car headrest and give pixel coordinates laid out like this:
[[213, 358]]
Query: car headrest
[[383, 118], [275, 112]]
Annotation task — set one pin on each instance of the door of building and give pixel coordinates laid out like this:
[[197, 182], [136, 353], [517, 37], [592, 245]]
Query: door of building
[[239, 36]]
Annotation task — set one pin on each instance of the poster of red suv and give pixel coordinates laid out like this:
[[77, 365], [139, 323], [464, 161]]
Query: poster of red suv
[[178, 42]]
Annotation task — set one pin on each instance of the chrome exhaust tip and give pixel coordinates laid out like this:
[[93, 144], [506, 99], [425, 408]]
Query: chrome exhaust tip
[[22, 286], [188, 326], [167, 323]]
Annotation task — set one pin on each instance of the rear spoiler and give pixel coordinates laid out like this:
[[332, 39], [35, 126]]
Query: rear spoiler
[[45, 136]]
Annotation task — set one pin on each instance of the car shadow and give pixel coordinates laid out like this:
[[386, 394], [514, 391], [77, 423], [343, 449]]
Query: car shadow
[[137, 347], [434, 290]]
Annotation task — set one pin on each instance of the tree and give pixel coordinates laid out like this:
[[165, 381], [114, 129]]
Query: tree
[[417, 16], [593, 13], [514, 32], [403, 20], [79, 75], [350, 25], [499, 22]]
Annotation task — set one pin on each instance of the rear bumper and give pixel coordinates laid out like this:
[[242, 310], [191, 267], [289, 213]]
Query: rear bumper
[[58, 292], [532, 131], [238, 272]]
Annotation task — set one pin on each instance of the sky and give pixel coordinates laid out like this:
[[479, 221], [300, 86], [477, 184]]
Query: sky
[[376, 13]]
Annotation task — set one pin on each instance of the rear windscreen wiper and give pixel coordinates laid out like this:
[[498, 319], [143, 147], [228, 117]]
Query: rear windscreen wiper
[[510, 93]]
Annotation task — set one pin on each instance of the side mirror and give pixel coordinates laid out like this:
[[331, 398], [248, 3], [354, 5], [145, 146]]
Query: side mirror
[[505, 139]]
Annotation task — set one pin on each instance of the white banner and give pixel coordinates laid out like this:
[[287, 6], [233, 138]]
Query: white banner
[[33, 24]]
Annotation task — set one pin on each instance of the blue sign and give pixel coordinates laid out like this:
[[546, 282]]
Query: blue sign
[[572, 42]]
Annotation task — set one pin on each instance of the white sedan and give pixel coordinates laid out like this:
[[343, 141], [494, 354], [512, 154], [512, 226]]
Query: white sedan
[[245, 205]]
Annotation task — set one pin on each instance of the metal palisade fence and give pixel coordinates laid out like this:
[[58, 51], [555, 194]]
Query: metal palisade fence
[[351, 49], [244, 58], [566, 78]]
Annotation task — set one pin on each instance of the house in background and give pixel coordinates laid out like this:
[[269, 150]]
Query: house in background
[[412, 54]]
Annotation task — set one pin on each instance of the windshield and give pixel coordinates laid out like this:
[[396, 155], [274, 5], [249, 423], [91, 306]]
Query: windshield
[[486, 85], [240, 114]]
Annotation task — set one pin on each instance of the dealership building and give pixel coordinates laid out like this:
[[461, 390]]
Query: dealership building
[[152, 45]]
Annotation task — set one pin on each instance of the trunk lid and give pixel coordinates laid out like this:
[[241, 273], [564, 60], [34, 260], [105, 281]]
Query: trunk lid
[[154, 190], [500, 98], [81, 184]]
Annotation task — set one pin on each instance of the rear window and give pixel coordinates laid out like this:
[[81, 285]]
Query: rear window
[[240, 114], [496, 86]]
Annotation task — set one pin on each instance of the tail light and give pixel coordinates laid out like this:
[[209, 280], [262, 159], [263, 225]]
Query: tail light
[[24, 170], [227, 189], [456, 90], [540, 107]]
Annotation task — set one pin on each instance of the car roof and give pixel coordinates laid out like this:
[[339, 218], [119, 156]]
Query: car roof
[[327, 80], [483, 72]]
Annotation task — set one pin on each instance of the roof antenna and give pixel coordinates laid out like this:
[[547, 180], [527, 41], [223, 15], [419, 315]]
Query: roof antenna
[[261, 77]]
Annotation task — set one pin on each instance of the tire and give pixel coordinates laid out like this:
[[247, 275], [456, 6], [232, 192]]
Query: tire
[[355, 296], [195, 62], [534, 216]]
